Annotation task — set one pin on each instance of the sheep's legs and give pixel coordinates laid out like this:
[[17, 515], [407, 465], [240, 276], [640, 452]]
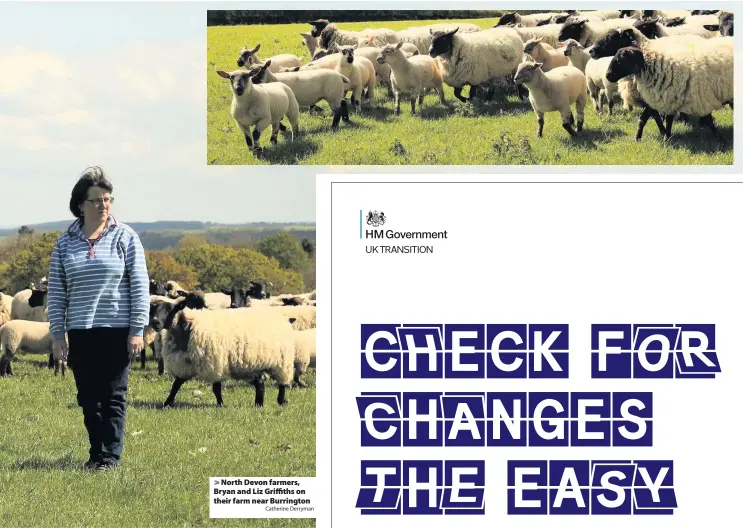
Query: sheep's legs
[[458, 94], [5, 366], [217, 390], [669, 125], [397, 103], [412, 104], [344, 114], [567, 124], [160, 366], [646, 113], [142, 356], [9, 369], [298, 382], [709, 122], [523, 92], [472, 94], [540, 123], [173, 391], [260, 391], [336, 117], [274, 134], [282, 395], [248, 140], [50, 364]]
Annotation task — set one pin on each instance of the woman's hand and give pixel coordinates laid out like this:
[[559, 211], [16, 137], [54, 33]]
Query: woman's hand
[[59, 350], [135, 345]]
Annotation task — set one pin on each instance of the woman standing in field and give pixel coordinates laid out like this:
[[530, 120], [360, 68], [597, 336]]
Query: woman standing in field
[[99, 294]]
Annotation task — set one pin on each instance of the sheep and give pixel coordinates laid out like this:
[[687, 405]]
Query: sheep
[[29, 336], [411, 75], [172, 289], [360, 71], [217, 301], [217, 345], [311, 87], [419, 37], [615, 40], [701, 20], [587, 32], [532, 20], [30, 305], [549, 58], [595, 78], [598, 86], [331, 37], [548, 33], [305, 354], [696, 78], [249, 57], [157, 288], [724, 24], [260, 106], [599, 15], [555, 90], [309, 41], [241, 297], [652, 29], [305, 317], [476, 58], [664, 13], [6, 302]]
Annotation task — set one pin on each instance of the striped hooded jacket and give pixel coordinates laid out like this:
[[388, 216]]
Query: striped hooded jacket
[[98, 283]]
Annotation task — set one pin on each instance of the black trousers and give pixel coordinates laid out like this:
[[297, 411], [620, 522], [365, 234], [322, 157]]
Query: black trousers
[[99, 359]]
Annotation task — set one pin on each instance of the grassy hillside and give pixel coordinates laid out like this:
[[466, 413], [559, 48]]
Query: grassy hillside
[[500, 132]]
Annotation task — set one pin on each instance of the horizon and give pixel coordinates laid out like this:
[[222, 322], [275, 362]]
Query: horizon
[[223, 224]]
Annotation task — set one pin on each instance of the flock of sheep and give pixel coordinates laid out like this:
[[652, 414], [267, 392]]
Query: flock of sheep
[[668, 63], [242, 333]]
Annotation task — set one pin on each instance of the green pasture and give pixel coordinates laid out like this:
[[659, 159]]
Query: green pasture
[[502, 131], [168, 456]]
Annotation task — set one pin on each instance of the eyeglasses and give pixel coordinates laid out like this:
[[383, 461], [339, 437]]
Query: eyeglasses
[[102, 201]]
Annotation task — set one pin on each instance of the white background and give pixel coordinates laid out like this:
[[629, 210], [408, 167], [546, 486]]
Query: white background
[[576, 253]]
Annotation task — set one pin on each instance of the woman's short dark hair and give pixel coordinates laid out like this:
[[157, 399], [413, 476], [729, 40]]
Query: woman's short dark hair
[[91, 177]]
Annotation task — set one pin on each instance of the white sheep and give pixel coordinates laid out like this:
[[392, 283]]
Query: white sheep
[[411, 76], [419, 37], [213, 346], [360, 71], [588, 32], [311, 87], [555, 90], [6, 302], [21, 306], [673, 76], [260, 106], [174, 290], [533, 20], [550, 59], [330, 37], [475, 59], [217, 301], [309, 41], [27, 336], [249, 57], [576, 54], [598, 86], [596, 79], [305, 354], [653, 29]]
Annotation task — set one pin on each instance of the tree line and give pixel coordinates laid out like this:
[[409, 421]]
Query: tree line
[[282, 259], [235, 17]]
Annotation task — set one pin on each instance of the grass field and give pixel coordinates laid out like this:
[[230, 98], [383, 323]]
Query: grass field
[[168, 454], [499, 132]]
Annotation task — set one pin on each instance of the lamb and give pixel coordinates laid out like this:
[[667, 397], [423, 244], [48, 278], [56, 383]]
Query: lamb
[[555, 90], [550, 59], [217, 345], [587, 33], [331, 37], [360, 71], [595, 78], [532, 20], [309, 41], [598, 86], [311, 87], [696, 78], [6, 302], [249, 57], [652, 29], [411, 75], [476, 58], [30, 305], [172, 289], [29, 336], [260, 106]]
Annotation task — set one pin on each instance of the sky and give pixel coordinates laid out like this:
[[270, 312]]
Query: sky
[[122, 85]]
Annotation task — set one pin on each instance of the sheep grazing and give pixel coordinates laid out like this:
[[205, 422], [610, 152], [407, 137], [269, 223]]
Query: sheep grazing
[[30, 305], [213, 346], [587, 32], [311, 87], [653, 29], [724, 25], [411, 76], [475, 59], [28, 336], [695, 79], [532, 20], [330, 37], [550, 59], [260, 106], [248, 57], [555, 90]]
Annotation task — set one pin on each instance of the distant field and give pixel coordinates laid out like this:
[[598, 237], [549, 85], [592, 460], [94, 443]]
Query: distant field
[[500, 132], [168, 454]]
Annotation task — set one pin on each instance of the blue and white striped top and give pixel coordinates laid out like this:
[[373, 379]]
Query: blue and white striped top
[[98, 283]]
